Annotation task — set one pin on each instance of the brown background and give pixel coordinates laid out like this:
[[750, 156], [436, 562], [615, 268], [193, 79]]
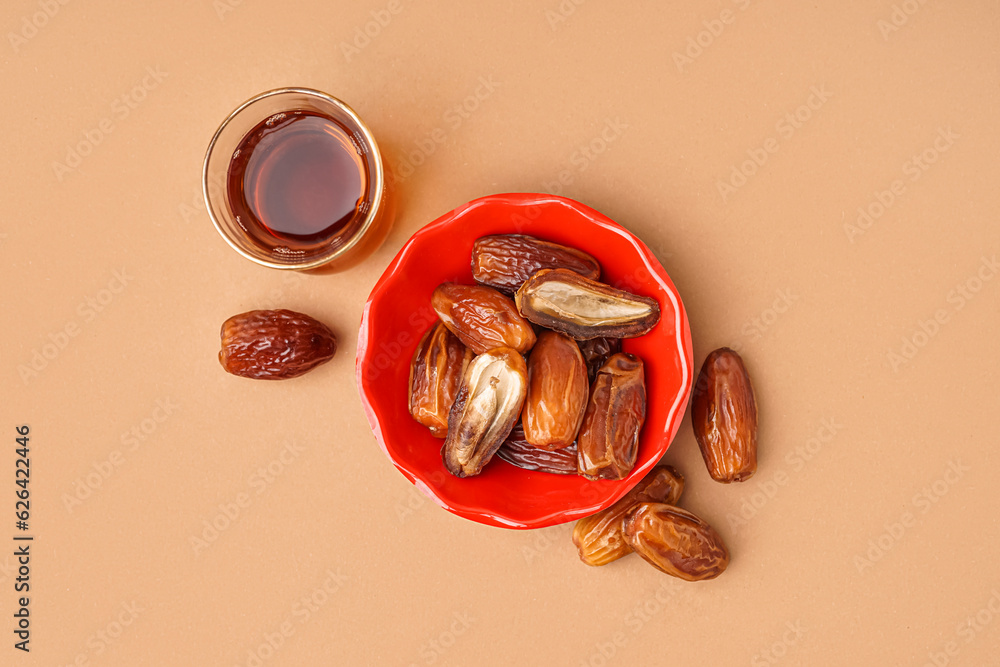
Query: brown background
[[818, 310]]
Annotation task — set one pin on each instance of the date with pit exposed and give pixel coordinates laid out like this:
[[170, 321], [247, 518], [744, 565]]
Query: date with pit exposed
[[535, 345]]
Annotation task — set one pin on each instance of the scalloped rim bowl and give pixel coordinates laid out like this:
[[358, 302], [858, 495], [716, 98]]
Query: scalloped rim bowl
[[398, 313]]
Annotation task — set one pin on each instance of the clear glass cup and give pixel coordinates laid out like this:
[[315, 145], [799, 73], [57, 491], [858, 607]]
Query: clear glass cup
[[358, 238]]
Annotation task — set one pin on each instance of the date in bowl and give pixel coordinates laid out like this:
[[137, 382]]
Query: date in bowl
[[398, 313]]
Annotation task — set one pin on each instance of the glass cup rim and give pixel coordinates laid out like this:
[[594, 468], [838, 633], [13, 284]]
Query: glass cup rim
[[378, 179]]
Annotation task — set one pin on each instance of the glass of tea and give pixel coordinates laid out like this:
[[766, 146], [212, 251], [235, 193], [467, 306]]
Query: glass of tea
[[293, 179]]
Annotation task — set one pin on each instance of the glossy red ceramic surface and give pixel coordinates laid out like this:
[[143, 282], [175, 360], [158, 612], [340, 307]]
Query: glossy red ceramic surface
[[398, 313]]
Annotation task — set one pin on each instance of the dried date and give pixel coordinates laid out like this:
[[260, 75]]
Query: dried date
[[596, 351], [608, 442], [599, 537], [675, 541], [274, 344], [724, 417], [557, 392], [435, 375], [519, 452], [505, 261], [488, 404], [482, 317], [582, 308]]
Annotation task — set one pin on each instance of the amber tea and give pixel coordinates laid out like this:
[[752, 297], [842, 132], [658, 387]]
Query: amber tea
[[297, 182]]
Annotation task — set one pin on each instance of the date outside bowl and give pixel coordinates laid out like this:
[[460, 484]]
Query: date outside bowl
[[398, 313]]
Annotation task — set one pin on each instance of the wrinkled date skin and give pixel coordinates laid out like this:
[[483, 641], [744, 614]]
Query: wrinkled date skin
[[482, 318], [596, 351], [505, 261], [436, 372], [583, 308], [488, 404], [274, 344], [519, 452], [608, 442], [675, 541], [724, 417], [557, 392], [599, 537]]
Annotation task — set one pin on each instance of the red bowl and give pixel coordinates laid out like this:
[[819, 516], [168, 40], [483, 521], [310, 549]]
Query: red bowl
[[398, 312]]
